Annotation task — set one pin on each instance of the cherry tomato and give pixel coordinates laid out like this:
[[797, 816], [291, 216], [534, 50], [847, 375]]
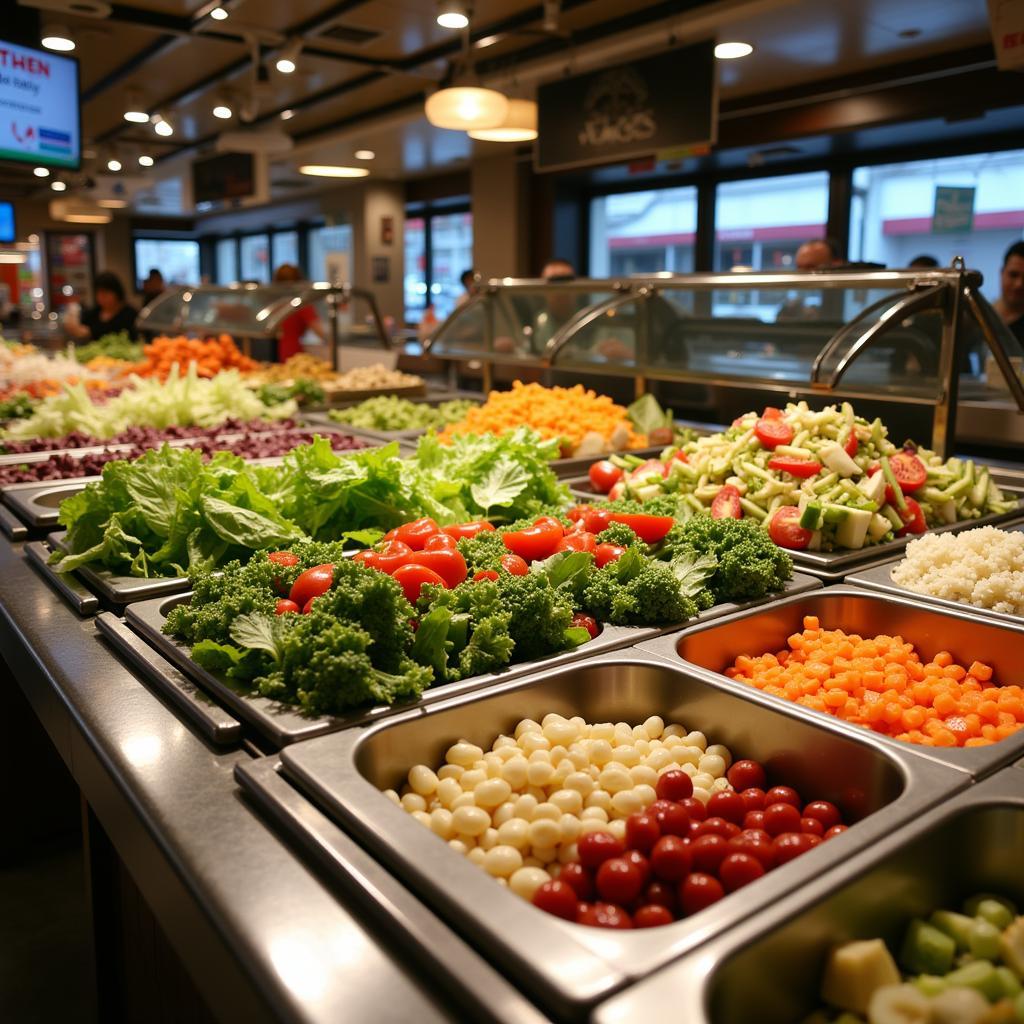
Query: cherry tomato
[[812, 826], [753, 798], [586, 622], [550, 522], [850, 447], [727, 804], [707, 852], [757, 844], [604, 475], [694, 808], [909, 470], [534, 543], [415, 534], [652, 915], [284, 606], [640, 862], [699, 891], [791, 845], [605, 553], [585, 542], [617, 491], [783, 795], [283, 558], [715, 826], [739, 869], [727, 504], [556, 897], [802, 468], [485, 574], [466, 531], [913, 517], [673, 820], [594, 520], [773, 432], [391, 555], [746, 774], [670, 858], [785, 530], [362, 556], [780, 817], [652, 467], [771, 413], [835, 830], [441, 542], [619, 881], [661, 894], [576, 875], [308, 607], [642, 831], [825, 811], [650, 529], [412, 579], [514, 564], [604, 915], [673, 785], [594, 848], [312, 583], [753, 819], [449, 565]]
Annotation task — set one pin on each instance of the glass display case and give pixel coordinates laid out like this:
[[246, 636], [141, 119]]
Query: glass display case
[[924, 340], [251, 311]]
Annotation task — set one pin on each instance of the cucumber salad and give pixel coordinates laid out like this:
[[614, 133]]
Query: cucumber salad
[[821, 481]]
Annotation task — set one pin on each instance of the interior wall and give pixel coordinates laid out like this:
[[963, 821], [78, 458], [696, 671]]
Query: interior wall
[[378, 239], [500, 198]]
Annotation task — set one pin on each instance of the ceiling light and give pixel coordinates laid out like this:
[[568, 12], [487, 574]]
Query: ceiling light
[[134, 104], [287, 115], [286, 61], [57, 37], [161, 125], [145, 161], [364, 154], [519, 125], [333, 171], [113, 204], [465, 107], [219, 14], [452, 14], [730, 51], [42, 172], [223, 109], [58, 186], [136, 116], [113, 164]]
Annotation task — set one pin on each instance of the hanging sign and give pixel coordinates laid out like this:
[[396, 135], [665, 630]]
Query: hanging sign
[[1006, 20], [630, 111], [954, 209]]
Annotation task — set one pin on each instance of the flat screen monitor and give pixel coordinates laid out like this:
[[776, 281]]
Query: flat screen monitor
[[39, 108], [8, 231], [226, 176]]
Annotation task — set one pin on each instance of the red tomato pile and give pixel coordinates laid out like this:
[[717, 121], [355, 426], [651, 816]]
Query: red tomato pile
[[681, 856]]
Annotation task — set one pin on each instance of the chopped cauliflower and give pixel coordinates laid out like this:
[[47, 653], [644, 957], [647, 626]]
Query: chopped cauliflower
[[983, 567]]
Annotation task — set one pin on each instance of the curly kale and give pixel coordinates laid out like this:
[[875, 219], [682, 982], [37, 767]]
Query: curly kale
[[621, 534], [662, 505], [750, 565], [540, 614]]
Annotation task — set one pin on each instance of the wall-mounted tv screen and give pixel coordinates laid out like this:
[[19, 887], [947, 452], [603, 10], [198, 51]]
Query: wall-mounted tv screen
[[8, 231], [223, 177], [39, 109]]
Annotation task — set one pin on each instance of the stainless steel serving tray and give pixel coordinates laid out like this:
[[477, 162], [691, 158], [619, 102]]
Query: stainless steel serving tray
[[280, 724], [768, 968], [568, 966], [878, 578], [412, 434], [707, 649]]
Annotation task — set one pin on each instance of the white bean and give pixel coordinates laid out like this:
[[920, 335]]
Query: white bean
[[393, 797], [449, 771], [422, 780], [514, 832], [464, 754], [655, 726], [547, 810], [581, 782], [524, 807], [476, 856], [594, 814], [441, 823], [448, 790], [525, 726], [545, 833], [491, 793], [540, 773], [713, 764], [413, 802], [463, 800], [568, 801], [526, 881], [470, 821], [506, 812], [514, 771], [422, 817], [626, 803], [697, 739]]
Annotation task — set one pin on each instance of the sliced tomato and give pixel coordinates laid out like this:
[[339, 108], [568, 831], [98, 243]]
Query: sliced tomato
[[617, 491], [851, 444], [773, 432], [910, 472], [413, 578], [595, 520], [771, 413], [388, 557], [680, 456], [727, 504], [913, 516], [514, 564], [415, 534], [549, 522], [283, 558], [466, 531], [890, 497], [441, 542], [586, 622], [578, 541], [534, 542], [785, 529], [802, 468], [448, 564], [604, 475], [605, 553], [649, 529], [652, 467], [484, 574]]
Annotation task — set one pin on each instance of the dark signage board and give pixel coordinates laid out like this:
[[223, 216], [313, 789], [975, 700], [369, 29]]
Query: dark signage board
[[629, 111]]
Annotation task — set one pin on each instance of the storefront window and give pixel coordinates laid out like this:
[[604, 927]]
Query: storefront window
[[227, 261], [451, 253], [285, 248], [332, 245], [176, 258], [643, 232], [254, 253], [894, 211]]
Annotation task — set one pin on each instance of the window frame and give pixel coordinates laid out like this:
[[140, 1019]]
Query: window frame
[[428, 210], [158, 236]]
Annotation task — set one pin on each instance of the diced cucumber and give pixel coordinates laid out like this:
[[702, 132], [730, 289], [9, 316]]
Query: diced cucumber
[[833, 456], [854, 528], [957, 926], [879, 527], [835, 514], [874, 488], [812, 517], [929, 985], [983, 940], [751, 509], [926, 950], [890, 479], [981, 976], [995, 909]]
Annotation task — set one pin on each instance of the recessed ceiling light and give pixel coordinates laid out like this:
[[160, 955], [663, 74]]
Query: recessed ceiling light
[[113, 165], [114, 204], [730, 51], [136, 116], [223, 111], [287, 115], [58, 186], [134, 105], [333, 171], [57, 37], [219, 14], [452, 14], [364, 154], [145, 161], [161, 125], [286, 61], [42, 172]]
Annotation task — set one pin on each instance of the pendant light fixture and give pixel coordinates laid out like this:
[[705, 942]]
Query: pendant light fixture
[[519, 124]]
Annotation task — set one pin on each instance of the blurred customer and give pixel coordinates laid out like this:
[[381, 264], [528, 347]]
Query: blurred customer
[[558, 270], [110, 315], [152, 286], [923, 262], [468, 279], [1010, 304], [295, 325], [817, 254]]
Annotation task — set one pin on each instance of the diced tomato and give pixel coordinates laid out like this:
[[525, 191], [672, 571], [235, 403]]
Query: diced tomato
[[727, 504], [604, 475], [484, 574], [786, 531], [802, 468], [448, 564], [771, 413], [415, 534], [913, 516], [851, 444], [617, 491], [595, 520], [652, 467], [549, 522], [588, 623], [534, 542], [773, 432], [680, 456], [283, 558], [514, 564], [649, 529], [465, 531], [909, 470], [577, 541], [605, 553]]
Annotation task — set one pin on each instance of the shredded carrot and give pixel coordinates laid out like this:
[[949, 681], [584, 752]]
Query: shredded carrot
[[882, 683], [210, 356]]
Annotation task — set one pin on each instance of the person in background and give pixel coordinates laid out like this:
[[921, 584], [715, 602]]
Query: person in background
[[923, 262], [152, 286], [468, 279], [558, 270], [110, 315], [295, 325], [1010, 304], [817, 254]]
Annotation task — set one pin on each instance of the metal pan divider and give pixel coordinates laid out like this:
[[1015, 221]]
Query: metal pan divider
[[71, 590]]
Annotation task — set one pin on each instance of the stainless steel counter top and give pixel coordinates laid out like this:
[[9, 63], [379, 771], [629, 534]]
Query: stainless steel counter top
[[263, 936]]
